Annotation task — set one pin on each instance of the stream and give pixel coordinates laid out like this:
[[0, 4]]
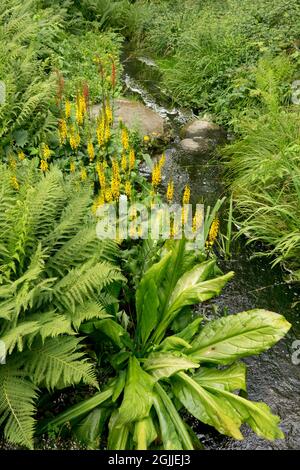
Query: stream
[[273, 377]]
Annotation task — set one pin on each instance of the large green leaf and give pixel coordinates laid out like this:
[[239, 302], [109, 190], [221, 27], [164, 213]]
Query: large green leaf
[[169, 434], [138, 394], [118, 434], [232, 378], [205, 407], [163, 365], [144, 433], [229, 338], [89, 430], [147, 300], [198, 292], [171, 411], [224, 410]]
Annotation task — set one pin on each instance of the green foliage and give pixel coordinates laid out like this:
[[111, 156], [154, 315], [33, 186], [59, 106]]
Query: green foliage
[[27, 39], [76, 56], [208, 51], [54, 273], [156, 365]]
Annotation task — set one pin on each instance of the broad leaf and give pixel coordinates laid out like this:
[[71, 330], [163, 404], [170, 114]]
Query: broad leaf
[[205, 407], [144, 433], [147, 300], [118, 434], [229, 338], [169, 436], [230, 379], [163, 365], [89, 430], [224, 410], [138, 394]]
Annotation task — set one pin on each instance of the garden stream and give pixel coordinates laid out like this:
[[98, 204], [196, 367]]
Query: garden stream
[[273, 377]]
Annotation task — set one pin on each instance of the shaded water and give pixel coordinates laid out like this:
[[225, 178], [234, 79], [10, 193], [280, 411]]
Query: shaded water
[[272, 376]]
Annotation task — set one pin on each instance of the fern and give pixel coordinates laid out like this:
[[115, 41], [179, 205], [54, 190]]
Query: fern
[[17, 397], [55, 275]]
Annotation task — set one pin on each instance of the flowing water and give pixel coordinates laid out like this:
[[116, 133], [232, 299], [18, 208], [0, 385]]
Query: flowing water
[[273, 377]]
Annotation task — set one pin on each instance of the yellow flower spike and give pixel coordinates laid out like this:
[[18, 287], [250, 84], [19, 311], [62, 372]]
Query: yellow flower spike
[[125, 138], [83, 174], [99, 201], [46, 152], [72, 167], [82, 105], [21, 155], [108, 114], [131, 159], [107, 133], [68, 109], [124, 162], [186, 195], [74, 138], [15, 183], [108, 195], [101, 175], [213, 231], [91, 150], [128, 189], [63, 131], [156, 176], [101, 132], [170, 191], [197, 221], [44, 166], [162, 161]]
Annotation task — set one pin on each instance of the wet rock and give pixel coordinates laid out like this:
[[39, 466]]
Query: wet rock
[[204, 129], [136, 116], [190, 145]]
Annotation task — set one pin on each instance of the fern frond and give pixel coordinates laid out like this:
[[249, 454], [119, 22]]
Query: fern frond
[[17, 397], [59, 362]]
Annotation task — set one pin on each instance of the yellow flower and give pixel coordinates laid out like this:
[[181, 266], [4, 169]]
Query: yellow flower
[[125, 139], [197, 221], [67, 109], [131, 159], [44, 166], [46, 152], [128, 188], [108, 195], [80, 109], [213, 232], [83, 174], [91, 150], [100, 132], [21, 155], [99, 201], [101, 175], [14, 183], [170, 191], [74, 138], [124, 162], [63, 130], [186, 195], [162, 161], [156, 176], [146, 139], [72, 167], [108, 113], [107, 133]]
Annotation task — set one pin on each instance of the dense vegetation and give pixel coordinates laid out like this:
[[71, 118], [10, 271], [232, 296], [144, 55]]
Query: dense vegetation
[[114, 319]]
